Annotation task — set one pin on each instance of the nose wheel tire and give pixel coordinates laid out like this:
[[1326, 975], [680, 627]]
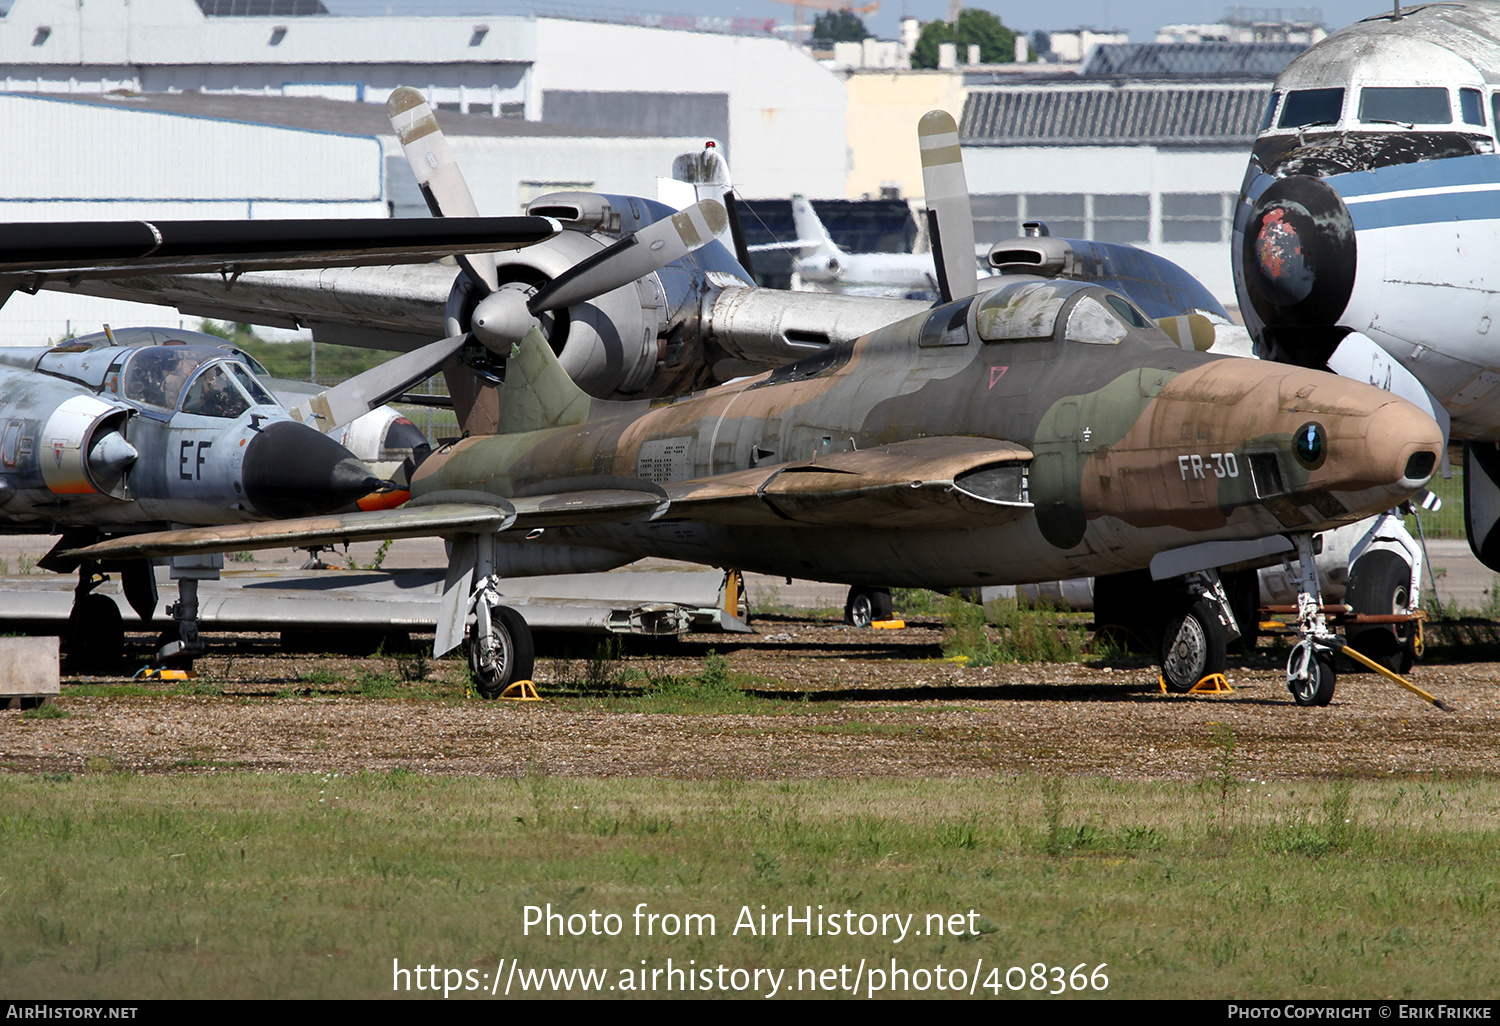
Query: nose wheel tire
[[1316, 686], [1193, 645], [500, 651], [866, 605]]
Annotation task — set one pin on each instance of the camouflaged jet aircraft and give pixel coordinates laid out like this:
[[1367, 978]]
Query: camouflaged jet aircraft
[[1047, 428], [1044, 429]]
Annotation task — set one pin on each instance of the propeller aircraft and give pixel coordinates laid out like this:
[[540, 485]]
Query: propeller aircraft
[[1366, 236], [1046, 428]]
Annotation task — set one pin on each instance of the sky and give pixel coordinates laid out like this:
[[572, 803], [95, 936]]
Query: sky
[[1140, 18]]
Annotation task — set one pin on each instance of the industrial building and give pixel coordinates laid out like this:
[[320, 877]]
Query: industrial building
[[1147, 145]]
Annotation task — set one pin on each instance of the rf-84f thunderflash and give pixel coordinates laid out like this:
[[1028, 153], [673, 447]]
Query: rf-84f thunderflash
[[1047, 428], [1044, 429]]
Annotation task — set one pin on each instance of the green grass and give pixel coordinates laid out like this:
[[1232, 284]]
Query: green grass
[[1020, 635], [247, 885]]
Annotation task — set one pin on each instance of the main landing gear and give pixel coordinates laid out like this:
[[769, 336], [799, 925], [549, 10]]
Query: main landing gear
[[1196, 635], [866, 605], [499, 644]]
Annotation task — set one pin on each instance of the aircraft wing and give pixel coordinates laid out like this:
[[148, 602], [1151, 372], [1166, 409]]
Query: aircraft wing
[[397, 308], [87, 249], [572, 502], [339, 529], [956, 482]]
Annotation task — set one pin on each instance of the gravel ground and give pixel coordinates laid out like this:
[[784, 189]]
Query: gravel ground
[[877, 703]]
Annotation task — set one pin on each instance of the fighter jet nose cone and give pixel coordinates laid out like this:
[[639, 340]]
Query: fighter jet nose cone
[[291, 470], [352, 479], [1299, 262]]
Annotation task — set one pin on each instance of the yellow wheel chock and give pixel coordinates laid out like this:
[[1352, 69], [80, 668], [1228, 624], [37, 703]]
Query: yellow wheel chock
[[1213, 684], [521, 691], [157, 673]]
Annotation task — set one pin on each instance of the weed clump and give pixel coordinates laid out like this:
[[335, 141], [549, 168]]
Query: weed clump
[[1022, 635], [713, 681]]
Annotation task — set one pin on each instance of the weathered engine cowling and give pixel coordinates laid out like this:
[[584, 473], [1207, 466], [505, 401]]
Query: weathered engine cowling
[[82, 449], [608, 344]]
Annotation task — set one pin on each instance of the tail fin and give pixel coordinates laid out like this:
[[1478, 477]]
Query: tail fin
[[701, 175], [537, 393], [810, 231]]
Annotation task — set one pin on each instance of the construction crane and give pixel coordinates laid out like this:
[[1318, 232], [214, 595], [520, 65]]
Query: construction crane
[[799, 20]]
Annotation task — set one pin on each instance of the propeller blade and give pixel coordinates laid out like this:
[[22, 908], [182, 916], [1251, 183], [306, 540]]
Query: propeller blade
[[949, 219], [634, 256], [437, 173], [334, 407]]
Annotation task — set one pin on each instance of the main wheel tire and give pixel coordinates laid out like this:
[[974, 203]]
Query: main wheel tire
[[1317, 689], [1193, 646], [515, 654], [96, 636], [866, 605], [166, 637], [1380, 584]]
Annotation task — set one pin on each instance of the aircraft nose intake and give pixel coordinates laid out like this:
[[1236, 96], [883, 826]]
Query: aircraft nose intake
[[292, 470], [1299, 262], [1405, 443]]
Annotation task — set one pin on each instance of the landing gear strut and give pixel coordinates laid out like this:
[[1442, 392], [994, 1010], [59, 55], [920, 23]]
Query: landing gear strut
[[187, 571], [96, 634], [1309, 669], [499, 644]]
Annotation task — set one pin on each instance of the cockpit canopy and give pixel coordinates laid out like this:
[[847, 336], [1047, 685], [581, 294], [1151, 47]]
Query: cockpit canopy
[[1026, 311], [1405, 82], [200, 380]]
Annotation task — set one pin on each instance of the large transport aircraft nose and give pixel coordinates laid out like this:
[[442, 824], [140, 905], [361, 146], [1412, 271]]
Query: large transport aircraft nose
[[1299, 263], [292, 470]]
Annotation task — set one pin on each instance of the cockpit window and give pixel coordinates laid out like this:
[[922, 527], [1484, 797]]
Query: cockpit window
[[1091, 321], [947, 326], [1306, 107], [213, 394], [1405, 105], [1128, 313], [1270, 114], [257, 392], [155, 376], [1471, 106], [1025, 310]]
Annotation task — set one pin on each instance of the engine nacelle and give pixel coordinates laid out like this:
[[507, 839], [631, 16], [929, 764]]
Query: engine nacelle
[[608, 344], [82, 449]]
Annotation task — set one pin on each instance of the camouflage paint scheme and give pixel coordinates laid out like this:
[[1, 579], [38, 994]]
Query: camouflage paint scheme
[[858, 465], [1043, 430]]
